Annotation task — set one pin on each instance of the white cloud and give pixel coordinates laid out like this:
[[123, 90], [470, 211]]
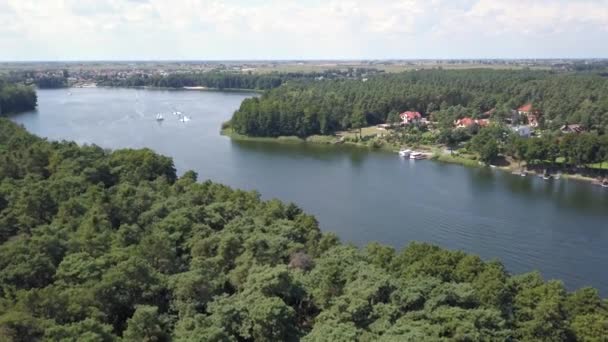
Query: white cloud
[[242, 29]]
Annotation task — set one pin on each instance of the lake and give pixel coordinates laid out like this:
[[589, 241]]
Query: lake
[[558, 227]]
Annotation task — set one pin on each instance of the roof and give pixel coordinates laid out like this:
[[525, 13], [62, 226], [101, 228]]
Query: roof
[[525, 108], [489, 112], [483, 122], [410, 115], [572, 128], [465, 122]]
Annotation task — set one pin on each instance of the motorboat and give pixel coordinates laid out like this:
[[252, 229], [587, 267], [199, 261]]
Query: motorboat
[[405, 153], [417, 155]]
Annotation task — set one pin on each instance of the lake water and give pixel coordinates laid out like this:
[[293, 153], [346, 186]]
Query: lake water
[[557, 227]]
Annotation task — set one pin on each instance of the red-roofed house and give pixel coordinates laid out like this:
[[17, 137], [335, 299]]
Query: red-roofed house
[[468, 122], [531, 113], [483, 122], [410, 118], [525, 109], [464, 122]]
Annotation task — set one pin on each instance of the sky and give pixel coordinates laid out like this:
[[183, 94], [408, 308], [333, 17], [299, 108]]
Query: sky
[[303, 29]]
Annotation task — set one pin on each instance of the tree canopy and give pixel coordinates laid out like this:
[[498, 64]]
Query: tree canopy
[[101, 245], [307, 108], [16, 98]]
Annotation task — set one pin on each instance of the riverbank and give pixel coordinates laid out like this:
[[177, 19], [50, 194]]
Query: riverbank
[[195, 88], [313, 139], [433, 152]]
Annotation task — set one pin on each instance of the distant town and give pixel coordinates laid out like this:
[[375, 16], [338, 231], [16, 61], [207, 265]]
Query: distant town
[[88, 73]]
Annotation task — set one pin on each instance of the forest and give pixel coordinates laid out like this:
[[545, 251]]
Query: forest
[[227, 80], [100, 245], [308, 108], [16, 98]]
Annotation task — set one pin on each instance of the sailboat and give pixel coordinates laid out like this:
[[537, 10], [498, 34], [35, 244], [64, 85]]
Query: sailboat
[[159, 117], [184, 118]]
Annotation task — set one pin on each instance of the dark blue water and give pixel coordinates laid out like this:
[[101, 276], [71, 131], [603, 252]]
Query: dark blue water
[[557, 227]]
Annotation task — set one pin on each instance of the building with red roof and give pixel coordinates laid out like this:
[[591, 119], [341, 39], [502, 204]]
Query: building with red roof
[[483, 122], [532, 114], [468, 122], [410, 117], [525, 109], [464, 122]]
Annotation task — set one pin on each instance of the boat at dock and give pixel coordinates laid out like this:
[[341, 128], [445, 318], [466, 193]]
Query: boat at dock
[[417, 155], [405, 153]]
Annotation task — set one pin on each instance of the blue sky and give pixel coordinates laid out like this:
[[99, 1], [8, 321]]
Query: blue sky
[[290, 29]]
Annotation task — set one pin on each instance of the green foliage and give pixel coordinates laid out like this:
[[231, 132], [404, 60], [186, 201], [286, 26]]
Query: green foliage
[[225, 79], [16, 98], [108, 246], [307, 108]]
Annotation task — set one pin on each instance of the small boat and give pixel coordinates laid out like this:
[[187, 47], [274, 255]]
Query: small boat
[[547, 176], [604, 183], [184, 118], [558, 175], [405, 153], [177, 113], [159, 117], [416, 156]]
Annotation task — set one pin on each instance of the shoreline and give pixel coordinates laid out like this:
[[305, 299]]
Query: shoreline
[[195, 88], [430, 152]]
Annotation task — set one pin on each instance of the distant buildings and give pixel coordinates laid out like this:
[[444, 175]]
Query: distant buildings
[[533, 115], [408, 118], [523, 131], [574, 128], [468, 122]]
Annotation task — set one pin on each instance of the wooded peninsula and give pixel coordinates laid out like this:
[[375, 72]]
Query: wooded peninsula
[[547, 119]]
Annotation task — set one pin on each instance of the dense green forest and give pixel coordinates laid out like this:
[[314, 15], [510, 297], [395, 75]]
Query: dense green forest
[[227, 80], [46, 80], [101, 245], [307, 108], [16, 98]]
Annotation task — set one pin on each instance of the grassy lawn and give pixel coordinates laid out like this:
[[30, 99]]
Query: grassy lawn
[[599, 166], [365, 131], [455, 159], [287, 139], [322, 139]]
